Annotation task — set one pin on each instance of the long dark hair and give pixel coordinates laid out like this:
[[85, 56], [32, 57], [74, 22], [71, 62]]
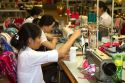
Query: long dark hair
[[28, 30], [103, 5]]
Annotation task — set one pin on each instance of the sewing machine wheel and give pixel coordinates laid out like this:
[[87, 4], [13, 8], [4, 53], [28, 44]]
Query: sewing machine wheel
[[109, 68]]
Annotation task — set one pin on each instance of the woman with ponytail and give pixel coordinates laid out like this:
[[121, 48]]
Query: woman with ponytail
[[27, 40], [105, 20], [104, 15]]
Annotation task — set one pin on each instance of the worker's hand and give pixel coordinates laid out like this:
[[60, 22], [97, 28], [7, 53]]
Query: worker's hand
[[49, 36], [77, 33], [65, 57], [91, 26], [55, 39]]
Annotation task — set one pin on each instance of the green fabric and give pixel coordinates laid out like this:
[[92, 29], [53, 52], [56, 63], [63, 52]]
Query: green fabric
[[11, 30]]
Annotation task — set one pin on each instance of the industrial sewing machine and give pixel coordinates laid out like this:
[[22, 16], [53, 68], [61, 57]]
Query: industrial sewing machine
[[105, 68]]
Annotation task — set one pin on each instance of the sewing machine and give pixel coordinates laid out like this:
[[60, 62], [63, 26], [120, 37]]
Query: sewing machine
[[105, 67]]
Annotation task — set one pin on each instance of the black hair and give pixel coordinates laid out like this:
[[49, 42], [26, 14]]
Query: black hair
[[56, 25], [1, 50], [46, 20], [103, 5], [28, 30], [35, 10], [36, 21]]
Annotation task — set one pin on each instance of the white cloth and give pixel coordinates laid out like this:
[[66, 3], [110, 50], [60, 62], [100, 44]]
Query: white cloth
[[6, 36], [29, 64], [43, 37], [29, 20], [105, 20]]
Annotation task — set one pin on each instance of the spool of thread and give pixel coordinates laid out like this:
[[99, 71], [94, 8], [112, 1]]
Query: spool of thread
[[73, 15], [85, 19], [68, 12], [77, 15]]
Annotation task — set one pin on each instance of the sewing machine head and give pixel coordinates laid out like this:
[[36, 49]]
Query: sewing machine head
[[97, 56], [105, 68]]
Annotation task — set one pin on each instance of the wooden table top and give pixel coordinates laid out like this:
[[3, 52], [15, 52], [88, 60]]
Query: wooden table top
[[72, 71], [67, 71]]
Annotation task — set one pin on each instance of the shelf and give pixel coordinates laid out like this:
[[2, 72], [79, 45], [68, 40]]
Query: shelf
[[34, 5], [12, 10], [117, 8], [21, 2]]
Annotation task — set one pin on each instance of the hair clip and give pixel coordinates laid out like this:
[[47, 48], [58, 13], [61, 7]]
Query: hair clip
[[17, 37]]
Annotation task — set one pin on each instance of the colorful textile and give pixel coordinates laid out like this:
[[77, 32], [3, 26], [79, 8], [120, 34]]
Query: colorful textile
[[5, 46], [11, 31], [8, 65]]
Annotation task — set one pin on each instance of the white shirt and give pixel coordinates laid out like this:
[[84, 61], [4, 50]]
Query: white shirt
[[105, 20], [43, 37], [29, 20], [29, 64]]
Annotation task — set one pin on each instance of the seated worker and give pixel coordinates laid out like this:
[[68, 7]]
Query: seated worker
[[104, 15], [35, 12], [46, 24], [27, 40], [105, 20]]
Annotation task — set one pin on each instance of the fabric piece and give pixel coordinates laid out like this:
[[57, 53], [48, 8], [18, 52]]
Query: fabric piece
[[8, 65]]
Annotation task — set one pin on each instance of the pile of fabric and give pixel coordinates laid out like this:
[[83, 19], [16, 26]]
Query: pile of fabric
[[8, 56]]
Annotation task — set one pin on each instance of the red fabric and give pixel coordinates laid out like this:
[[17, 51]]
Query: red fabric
[[72, 26], [73, 15], [8, 66], [117, 22], [107, 45], [77, 15], [18, 21], [85, 64], [68, 12], [6, 23]]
